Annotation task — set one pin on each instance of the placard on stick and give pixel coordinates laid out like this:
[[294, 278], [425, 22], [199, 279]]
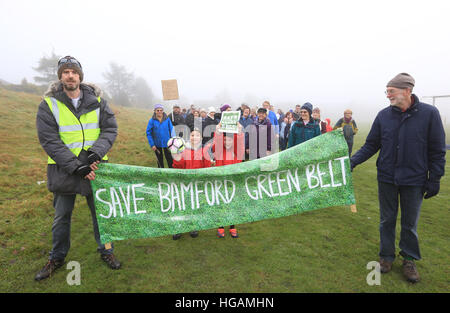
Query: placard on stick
[[170, 89]]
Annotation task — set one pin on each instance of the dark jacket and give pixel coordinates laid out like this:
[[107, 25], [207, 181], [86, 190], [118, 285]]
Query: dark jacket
[[189, 120], [209, 128], [60, 176], [246, 122], [411, 144], [258, 129], [159, 133], [176, 119], [300, 132]]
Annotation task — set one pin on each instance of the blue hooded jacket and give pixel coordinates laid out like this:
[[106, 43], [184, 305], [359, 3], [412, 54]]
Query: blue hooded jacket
[[158, 133], [411, 145]]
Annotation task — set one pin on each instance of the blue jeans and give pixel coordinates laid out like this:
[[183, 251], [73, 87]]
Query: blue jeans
[[410, 202], [64, 205]]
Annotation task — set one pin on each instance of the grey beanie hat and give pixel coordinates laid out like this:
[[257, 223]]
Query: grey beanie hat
[[70, 62], [402, 81]]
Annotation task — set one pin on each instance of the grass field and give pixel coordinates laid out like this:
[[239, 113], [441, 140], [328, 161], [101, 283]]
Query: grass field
[[325, 250]]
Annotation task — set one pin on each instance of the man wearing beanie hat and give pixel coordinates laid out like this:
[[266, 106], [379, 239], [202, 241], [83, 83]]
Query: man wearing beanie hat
[[72, 63], [410, 138], [76, 128], [304, 128]]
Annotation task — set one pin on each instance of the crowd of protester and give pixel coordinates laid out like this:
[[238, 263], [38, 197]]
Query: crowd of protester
[[272, 130]]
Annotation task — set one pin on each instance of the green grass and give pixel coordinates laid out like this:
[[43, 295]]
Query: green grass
[[319, 251]]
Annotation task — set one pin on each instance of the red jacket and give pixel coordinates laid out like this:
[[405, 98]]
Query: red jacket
[[232, 156], [192, 159]]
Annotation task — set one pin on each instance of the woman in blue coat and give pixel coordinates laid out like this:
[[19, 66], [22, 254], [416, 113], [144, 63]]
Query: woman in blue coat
[[305, 128], [159, 131]]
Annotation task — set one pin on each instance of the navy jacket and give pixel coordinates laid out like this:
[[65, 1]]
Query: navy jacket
[[411, 144]]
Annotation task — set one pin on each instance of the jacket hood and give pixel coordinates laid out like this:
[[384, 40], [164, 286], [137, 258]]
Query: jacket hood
[[165, 117], [56, 86]]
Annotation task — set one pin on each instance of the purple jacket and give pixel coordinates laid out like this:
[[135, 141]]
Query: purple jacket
[[260, 132]]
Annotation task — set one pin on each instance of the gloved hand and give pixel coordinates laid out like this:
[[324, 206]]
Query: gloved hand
[[352, 165], [431, 189], [83, 170], [92, 157]]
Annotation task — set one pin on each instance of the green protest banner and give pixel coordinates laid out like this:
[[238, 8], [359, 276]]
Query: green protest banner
[[140, 202]]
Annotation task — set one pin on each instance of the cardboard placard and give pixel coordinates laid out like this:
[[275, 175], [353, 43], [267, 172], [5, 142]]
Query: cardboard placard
[[170, 89]]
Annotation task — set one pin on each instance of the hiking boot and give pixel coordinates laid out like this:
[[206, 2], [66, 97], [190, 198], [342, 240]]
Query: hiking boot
[[410, 271], [49, 269], [111, 260], [233, 233], [385, 266], [221, 233], [193, 234], [176, 236]]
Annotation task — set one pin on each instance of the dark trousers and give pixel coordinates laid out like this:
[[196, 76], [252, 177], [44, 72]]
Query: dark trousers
[[350, 148], [64, 205], [159, 155], [410, 202]]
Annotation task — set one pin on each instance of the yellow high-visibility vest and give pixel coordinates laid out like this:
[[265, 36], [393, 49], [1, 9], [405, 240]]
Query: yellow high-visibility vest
[[77, 134]]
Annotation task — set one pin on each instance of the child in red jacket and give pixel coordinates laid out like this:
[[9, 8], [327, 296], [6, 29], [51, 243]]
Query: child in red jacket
[[228, 148], [194, 156]]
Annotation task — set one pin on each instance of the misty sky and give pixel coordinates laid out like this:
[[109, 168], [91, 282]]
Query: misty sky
[[334, 54]]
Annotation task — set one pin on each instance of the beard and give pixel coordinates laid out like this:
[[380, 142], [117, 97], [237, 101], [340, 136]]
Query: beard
[[72, 87], [398, 101]]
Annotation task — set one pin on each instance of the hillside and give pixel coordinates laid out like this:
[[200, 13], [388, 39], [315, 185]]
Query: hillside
[[320, 251]]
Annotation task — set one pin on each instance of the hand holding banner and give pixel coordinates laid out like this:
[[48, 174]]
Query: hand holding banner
[[139, 202]]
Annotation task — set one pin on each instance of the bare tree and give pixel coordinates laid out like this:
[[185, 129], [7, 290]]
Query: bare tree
[[47, 67], [119, 84], [143, 94]]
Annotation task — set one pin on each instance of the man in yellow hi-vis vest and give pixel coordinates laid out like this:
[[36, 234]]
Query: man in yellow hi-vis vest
[[76, 128]]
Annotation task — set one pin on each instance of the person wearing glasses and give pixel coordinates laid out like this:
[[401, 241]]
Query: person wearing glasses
[[410, 138], [348, 125], [76, 128], [305, 128], [159, 131]]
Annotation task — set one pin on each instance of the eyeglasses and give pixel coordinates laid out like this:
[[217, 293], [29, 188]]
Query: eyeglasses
[[390, 91], [68, 59]]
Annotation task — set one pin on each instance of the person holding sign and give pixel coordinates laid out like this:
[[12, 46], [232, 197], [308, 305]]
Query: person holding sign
[[228, 148], [76, 128], [410, 137], [159, 131], [194, 156]]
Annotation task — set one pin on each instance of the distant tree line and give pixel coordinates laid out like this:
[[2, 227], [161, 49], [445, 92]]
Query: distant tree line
[[122, 87]]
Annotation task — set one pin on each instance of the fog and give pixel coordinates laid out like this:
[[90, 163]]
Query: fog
[[334, 54]]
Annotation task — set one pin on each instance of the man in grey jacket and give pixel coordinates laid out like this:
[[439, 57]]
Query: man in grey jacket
[[76, 128]]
